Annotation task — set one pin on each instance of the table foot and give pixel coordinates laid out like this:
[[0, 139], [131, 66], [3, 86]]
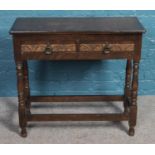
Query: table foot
[[131, 131], [23, 132]]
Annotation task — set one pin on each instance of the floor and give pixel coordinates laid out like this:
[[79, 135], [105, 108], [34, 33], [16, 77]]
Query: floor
[[77, 132]]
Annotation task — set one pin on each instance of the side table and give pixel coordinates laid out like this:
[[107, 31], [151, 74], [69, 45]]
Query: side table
[[77, 39]]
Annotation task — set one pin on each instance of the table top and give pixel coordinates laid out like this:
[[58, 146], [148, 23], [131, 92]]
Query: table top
[[77, 25]]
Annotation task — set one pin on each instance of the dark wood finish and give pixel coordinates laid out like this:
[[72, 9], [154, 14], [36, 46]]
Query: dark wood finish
[[66, 25], [37, 45], [127, 90], [75, 98], [26, 87], [78, 117], [77, 39], [21, 98], [134, 92]]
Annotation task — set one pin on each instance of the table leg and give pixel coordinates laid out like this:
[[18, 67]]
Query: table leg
[[133, 104], [127, 88], [26, 87], [21, 98]]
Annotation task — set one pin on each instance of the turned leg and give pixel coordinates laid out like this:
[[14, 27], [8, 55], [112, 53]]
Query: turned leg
[[127, 89], [133, 104], [26, 87], [21, 99]]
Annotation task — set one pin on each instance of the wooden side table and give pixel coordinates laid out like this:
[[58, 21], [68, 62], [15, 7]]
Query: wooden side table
[[77, 39]]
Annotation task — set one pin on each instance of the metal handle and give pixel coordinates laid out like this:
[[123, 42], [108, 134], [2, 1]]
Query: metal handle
[[77, 45], [106, 48], [48, 50]]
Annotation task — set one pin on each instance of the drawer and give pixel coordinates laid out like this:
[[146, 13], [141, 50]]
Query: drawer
[[76, 47], [48, 48], [105, 48]]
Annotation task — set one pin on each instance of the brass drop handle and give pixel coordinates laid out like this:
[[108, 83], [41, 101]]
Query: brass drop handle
[[106, 48], [77, 45], [48, 49]]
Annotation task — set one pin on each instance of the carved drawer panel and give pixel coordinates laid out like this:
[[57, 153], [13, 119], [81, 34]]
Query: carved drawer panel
[[53, 47], [128, 47]]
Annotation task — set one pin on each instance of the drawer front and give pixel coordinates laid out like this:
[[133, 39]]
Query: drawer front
[[44, 47], [78, 47], [105, 47], [129, 47]]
